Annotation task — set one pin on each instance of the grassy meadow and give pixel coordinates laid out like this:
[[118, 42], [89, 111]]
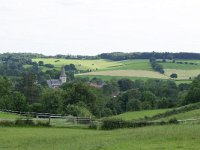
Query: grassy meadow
[[132, 69], [129, 73], [194, 114], [4, 115], [176, 137], [139, 114], [99, 64], [167, 137]]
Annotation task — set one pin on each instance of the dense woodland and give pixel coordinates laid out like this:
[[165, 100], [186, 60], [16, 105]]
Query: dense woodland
[[149, 55], [25, 89]]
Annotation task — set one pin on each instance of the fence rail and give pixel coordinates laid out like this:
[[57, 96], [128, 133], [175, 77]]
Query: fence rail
[[54, 119]]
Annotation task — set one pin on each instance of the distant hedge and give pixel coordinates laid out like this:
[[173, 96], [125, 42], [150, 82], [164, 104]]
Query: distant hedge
[[115, 123], [175, 111], [24, 122]]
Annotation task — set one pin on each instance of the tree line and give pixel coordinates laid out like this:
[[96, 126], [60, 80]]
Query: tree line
[[79, 98], [147, 55]]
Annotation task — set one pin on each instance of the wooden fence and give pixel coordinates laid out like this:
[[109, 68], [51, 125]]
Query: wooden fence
[[54, 119]]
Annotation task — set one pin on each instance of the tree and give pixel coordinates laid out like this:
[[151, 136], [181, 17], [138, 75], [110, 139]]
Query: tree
[[148, 96], [79, 111], [41, 63], [29, 87], [52, 100], [173, 76], [134, 105], [18, 102], [80, 92], [125, 84], [194, 92]]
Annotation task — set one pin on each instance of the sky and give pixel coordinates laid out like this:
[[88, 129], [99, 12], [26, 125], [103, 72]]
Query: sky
[[90, 27]]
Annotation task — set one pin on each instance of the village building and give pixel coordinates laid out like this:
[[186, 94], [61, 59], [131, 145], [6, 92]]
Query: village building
[[56, 83]]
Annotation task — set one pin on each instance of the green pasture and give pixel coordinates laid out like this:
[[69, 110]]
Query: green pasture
[[169, 65], [178, 82], [167, 137], [99, 64], [106, 78], [132, 69], [4, 115], [139, 114], [183, 74], [194, 114], [129, 73]]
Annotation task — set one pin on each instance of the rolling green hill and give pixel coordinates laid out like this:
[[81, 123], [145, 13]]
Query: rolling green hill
[[139, 114], [133, 69], [191, 111], [194, 114], [99, 64]]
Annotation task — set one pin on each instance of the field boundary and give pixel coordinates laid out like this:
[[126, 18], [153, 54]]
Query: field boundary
[[51, 118]]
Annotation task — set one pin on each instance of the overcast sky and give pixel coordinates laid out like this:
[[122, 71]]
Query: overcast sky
[[95, 26]]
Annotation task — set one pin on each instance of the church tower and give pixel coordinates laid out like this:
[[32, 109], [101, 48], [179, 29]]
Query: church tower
[[63, 76]]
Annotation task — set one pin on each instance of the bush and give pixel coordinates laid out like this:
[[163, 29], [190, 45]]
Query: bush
[[173, 121], [114, 123], [175, 111], [7, 123], [24, 122], [42, 123], [93, 125], [49, 65], [76, 110]]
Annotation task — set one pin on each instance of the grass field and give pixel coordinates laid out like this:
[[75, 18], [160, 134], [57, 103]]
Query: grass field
[[99, 64], [106, 78], [8, 116], [183, 74], [194, 114], [132, 69], [129, 73], [170, 137], [168, 65], [139, 114]]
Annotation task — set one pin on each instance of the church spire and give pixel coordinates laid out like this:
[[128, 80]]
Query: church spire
[[63, 76], [63, 72]]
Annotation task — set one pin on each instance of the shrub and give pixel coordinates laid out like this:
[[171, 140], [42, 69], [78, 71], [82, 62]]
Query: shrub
[[114, 123], [173, 121], [175, 111], [24, 122], [42, 123], [49, 65], [7, 123], [76, 110], [93, 125]]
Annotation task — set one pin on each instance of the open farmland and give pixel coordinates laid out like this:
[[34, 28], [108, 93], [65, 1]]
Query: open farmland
[[183, 74], [174, 137], [133, 69], [180, 66], [99, 64], [129, 73]]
